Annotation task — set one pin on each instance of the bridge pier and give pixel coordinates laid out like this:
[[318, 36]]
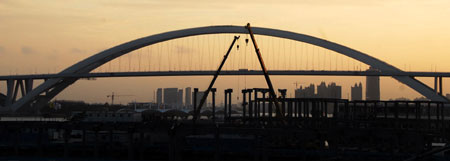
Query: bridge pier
[[283, 104], [256, 106], [227, 103], [213, 90], [250, 106], [244, 104], [195, 104], [264, 91]]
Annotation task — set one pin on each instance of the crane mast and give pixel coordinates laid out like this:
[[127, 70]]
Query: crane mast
[[112, 96]]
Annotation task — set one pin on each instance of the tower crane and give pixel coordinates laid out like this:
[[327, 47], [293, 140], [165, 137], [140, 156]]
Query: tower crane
[[113, 95], [297, 83]]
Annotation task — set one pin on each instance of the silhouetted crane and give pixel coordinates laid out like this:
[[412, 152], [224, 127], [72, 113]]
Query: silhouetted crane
[[297, 83], [113, 95]]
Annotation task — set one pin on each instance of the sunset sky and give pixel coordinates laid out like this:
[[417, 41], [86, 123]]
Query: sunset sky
[[48, 36]]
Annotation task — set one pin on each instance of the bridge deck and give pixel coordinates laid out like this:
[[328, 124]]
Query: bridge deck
[[228, 72]]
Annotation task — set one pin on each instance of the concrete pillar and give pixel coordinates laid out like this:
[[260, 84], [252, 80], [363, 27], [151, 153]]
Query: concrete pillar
[[306, 109], [195, 102], [225, 106], [295, 108], [283, 102], [256, 103], [213, 90], [335, 109], [250, 106], [229, 102], [269, 110], [244, 104], [314, 110], [289, 109], [264, 103]]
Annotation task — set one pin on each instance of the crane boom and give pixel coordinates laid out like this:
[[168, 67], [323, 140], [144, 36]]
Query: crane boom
[[266, 74], [205, 95]]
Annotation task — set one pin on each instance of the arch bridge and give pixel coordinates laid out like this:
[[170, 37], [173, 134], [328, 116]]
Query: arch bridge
[[34, 98]]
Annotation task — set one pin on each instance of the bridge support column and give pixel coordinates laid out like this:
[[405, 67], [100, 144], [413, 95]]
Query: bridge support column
[[269, 109], [250, 106], [256, 103], [195, 103], [225, 105], [244, 104], [283, 102], [213, 90], [229, 103], [264, 103]]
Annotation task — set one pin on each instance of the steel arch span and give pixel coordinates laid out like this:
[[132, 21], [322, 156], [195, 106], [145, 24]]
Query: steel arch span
[[54, 86]]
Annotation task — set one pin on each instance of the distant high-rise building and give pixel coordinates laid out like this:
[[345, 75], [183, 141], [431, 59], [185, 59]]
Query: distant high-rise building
[[180, 98], [159, 96], [334, 91], [329, 91], [170, 97], [356, 92], [372, 86], [307, 92], [323, 91], [188, 99]]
